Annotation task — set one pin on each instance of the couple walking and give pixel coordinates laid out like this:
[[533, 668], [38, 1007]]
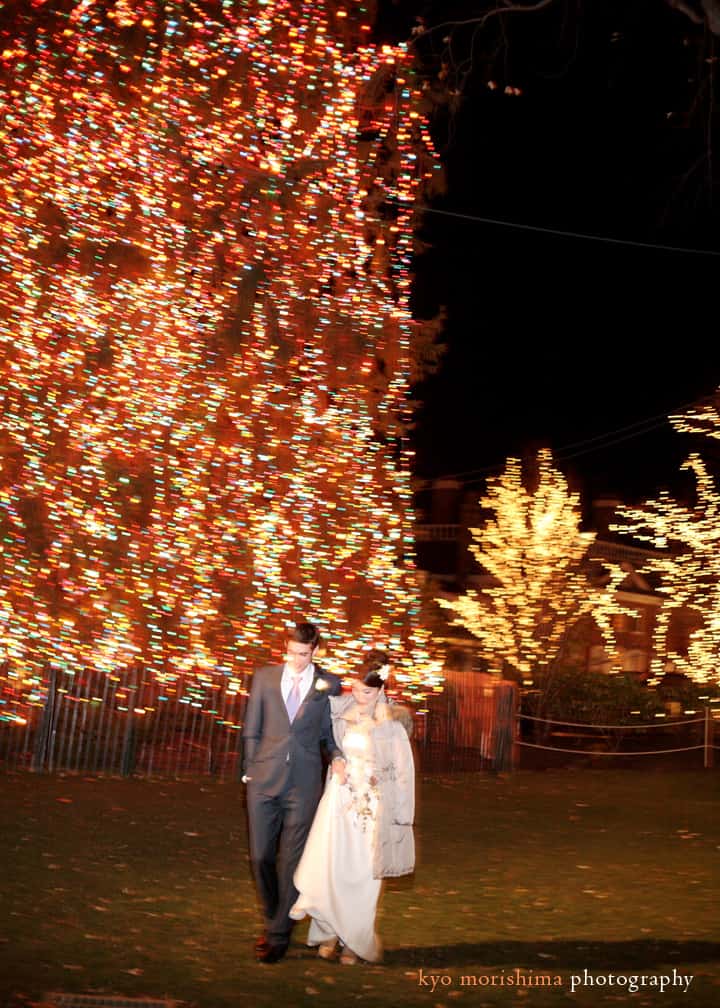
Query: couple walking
[[325, 860]]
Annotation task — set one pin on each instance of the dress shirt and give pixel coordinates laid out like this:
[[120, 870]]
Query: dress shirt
[[286, 682]]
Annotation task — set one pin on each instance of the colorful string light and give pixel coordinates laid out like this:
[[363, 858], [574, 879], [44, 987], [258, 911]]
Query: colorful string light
[[206, 343]]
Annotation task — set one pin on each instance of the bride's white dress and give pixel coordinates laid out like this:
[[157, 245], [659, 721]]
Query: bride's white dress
[[335, 878]]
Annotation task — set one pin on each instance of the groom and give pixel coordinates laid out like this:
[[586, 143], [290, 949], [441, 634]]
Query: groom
[[287, 722]]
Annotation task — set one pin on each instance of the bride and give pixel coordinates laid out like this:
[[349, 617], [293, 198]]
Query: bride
[[362, 831]]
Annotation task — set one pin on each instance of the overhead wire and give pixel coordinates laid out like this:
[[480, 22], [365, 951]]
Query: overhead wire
[[587, 445], [568, 234]]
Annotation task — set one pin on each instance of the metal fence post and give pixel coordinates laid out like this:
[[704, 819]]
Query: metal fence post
[[45, 727], [127, 759]]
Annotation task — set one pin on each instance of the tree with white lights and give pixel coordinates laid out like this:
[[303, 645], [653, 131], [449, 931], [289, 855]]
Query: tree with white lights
[[687, 538], [535, 559]]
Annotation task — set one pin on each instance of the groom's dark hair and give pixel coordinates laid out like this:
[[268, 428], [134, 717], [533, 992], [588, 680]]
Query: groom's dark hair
[[305, 633]]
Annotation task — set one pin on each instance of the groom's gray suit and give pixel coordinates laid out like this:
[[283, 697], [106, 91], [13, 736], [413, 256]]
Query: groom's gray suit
[[283, 762]]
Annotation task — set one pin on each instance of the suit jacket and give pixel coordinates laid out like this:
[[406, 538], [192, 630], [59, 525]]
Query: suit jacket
[[273, 748]]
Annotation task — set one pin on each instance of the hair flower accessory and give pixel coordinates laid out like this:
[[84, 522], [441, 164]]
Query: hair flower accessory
[[384, 672]]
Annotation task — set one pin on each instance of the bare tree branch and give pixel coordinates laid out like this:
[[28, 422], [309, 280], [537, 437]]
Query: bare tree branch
[[680, 5], [508, 7], [710, 12]]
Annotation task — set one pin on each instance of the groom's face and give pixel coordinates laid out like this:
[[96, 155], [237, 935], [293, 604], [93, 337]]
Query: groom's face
[[298, 656]]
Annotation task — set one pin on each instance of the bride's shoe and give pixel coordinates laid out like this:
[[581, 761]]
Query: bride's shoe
[[348, 957], [326, 949]]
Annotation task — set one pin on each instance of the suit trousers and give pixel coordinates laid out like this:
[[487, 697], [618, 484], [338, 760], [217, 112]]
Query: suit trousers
[[278, 826]]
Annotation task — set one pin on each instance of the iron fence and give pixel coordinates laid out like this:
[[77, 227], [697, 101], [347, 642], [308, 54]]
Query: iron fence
[[123, 725]]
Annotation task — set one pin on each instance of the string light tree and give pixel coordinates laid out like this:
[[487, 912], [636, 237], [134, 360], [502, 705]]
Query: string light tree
[[688, 561], [536, 561], [206, 344]]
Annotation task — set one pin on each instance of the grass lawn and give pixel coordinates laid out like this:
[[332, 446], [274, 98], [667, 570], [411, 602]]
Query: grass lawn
[[142, 888]]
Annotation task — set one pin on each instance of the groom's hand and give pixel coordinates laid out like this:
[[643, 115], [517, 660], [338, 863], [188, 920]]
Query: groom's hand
[[338, 769]]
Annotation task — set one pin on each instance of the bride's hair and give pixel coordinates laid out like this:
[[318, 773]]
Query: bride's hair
[[369, 669]]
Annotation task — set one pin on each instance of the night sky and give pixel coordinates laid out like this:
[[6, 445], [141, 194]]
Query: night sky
[[560, 340]]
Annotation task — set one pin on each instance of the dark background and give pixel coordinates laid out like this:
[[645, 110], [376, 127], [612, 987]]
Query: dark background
[[562, 340]]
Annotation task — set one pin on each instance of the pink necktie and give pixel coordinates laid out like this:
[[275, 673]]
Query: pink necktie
[[293, 700]]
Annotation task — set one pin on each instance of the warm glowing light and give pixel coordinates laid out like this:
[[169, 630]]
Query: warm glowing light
[[534, 555], [688, 561], [206, 345]]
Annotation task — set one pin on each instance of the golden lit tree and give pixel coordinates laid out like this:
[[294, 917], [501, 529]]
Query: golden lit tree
[[205, 340], [535, 559], [688, 561]]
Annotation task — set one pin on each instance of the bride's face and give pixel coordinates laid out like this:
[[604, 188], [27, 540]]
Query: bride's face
[[364, 696]]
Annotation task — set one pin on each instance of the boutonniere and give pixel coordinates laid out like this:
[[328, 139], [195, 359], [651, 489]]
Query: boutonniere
[[320, 687]]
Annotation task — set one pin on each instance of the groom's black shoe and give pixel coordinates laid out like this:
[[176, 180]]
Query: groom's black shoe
[[261, 944], [271, 953]]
